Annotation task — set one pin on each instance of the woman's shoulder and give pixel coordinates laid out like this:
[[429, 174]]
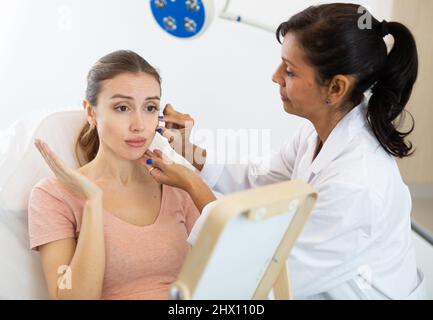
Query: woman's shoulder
[[51, 186], [175, 193], [177, 197], [180, 202], [50, 198], [48, 184]]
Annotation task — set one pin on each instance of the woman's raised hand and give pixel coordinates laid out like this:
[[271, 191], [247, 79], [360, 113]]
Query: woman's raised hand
[[72, 179]]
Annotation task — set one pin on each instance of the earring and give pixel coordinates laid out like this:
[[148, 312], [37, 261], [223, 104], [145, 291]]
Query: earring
[[328, 102]]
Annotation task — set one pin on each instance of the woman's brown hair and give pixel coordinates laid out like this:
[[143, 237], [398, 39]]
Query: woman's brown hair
[[108, 67]]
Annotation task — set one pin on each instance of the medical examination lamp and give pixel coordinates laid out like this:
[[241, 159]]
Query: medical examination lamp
[[189, 18], [183, 18]]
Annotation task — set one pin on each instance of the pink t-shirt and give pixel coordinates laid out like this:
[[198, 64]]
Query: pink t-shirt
[[141, 262]]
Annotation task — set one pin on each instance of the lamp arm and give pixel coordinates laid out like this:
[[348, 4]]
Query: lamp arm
[[226, 15]]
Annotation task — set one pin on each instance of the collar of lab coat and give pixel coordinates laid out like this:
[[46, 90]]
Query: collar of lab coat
[[343, 133]]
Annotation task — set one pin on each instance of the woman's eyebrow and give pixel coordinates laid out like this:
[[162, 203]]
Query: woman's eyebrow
[[121, 96], [153, 98], [288, 61]]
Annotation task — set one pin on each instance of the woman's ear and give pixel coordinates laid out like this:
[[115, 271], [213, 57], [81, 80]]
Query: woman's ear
[[338, 89], [85, 103], [90, 113]]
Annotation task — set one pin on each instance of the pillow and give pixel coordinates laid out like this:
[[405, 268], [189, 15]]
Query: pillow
[[21, 275], [21, 167]]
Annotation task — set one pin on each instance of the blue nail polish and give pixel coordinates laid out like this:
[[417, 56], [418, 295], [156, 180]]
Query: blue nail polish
[[159, 130], [149, 161]]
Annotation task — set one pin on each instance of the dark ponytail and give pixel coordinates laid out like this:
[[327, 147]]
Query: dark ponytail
[[392, 92], [335, 44]]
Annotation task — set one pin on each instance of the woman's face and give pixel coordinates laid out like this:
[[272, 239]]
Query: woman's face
[[299, 90], [127, 111]]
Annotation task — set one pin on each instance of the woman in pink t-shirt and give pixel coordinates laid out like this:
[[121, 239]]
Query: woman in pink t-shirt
[[108, 230]]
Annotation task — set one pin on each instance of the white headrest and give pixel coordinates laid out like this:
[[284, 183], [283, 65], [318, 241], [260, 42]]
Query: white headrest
[[22, 166]]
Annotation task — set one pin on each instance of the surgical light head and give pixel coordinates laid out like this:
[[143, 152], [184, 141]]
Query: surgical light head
[[182, 18]]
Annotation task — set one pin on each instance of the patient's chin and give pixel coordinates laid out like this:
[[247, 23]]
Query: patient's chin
[[135, 153], [132, 156]]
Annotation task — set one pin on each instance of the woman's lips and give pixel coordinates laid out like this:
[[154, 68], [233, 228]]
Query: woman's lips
[[284, 98], [136, 143]]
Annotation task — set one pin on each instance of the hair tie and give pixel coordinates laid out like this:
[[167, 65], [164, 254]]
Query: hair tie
[[384, 28], [387, 37]]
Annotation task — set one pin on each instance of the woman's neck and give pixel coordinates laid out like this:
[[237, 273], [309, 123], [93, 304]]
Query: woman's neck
[[108, 167], [326, 122]]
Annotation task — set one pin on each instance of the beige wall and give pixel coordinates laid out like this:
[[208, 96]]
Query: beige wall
[[418, 16]]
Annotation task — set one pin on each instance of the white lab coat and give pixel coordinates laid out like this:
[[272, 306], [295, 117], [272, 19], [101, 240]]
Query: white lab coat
[[357, 243]]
